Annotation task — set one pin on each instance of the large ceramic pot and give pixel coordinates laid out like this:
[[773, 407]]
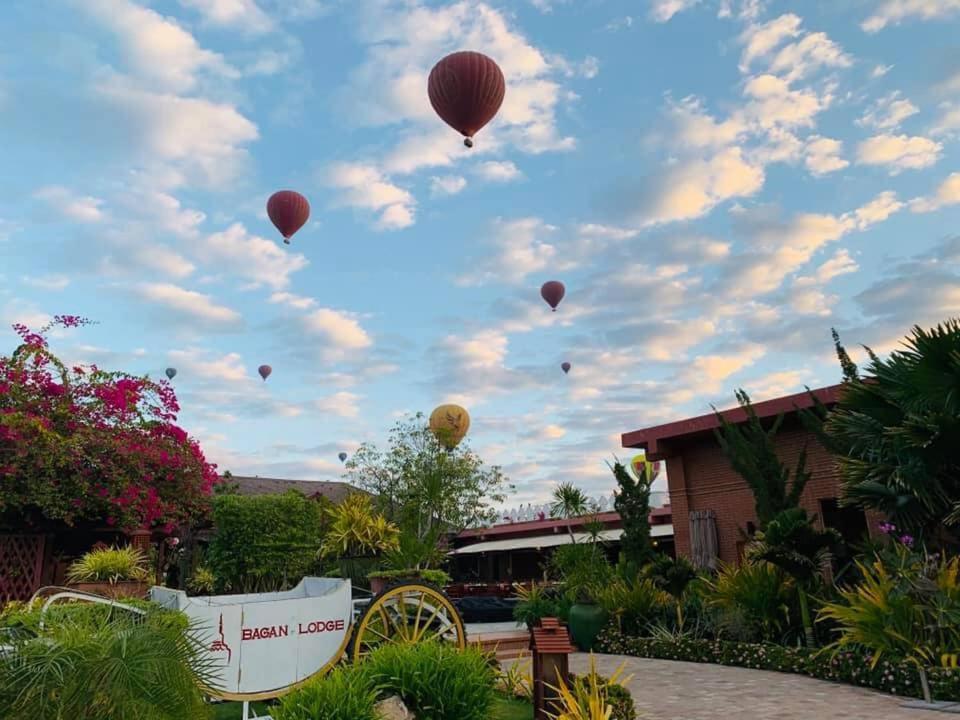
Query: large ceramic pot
[[586, 622]]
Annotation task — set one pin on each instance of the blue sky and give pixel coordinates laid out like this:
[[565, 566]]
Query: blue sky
[[718, 182]]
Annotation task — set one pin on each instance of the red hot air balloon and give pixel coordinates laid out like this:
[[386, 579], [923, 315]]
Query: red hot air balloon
[[466, 90], [264, 371], [288, 211], [565, 367], [553, 292]]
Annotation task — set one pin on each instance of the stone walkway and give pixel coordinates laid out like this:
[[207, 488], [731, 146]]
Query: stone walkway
[[667, 690]]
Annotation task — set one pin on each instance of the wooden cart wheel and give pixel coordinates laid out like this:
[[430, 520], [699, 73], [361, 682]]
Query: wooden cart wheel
[[407, 613]]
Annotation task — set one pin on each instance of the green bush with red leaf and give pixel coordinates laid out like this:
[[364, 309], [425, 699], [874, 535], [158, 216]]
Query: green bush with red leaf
[[82, 444]]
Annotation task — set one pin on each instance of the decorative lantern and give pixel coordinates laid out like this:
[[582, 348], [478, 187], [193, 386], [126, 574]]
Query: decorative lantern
[[550, 646]]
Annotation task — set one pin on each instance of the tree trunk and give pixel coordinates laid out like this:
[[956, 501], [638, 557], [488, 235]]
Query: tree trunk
[[811, 640]]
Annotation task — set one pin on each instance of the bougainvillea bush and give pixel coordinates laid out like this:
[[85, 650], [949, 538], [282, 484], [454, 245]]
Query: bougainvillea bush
[[83, 444]]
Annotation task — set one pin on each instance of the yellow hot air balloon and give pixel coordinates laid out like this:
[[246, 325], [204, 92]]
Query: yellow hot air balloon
[[644, 469], [449, 424]]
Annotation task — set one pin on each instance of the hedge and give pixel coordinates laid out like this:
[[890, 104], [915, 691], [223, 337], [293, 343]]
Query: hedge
[[853, 668]]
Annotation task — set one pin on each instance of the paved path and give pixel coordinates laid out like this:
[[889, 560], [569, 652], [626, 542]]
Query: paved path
[[668, 690]]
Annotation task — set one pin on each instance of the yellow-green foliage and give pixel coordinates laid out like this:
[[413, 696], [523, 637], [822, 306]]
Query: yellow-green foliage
[[587, 698], [111, 565], [356, 530], [753, 600]]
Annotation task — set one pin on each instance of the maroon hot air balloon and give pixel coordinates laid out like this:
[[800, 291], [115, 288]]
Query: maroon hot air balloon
[[553, 292], [288, 211], [264, 371], [565, 367], [466, 90]]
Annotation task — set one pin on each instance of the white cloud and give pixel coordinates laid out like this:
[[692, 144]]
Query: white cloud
[[340, 330], [948, 124], [294, 301], [876, 211], [447, 184], [485, 349], [947, 194], [189, 303], [888, 112], [342, 404], [153, 257], [893, 12], [880, 70], [760, 40], [364, 186], [709, 372], [85, 209], [261, 261], [197, 363], [244, 15], [809, 54], [823, 155], [775, 103], [493, 171], [47, 282], [840, 264], [899, 152], [521, 249], [158, 49], [663, 10]]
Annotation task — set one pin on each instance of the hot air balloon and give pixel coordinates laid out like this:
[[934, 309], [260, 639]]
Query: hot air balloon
[[466, 90], [644, 469], [288, 211], [171, 373], [264, 371], [553, 291], [449, 424], [565, 367], [342, 456]]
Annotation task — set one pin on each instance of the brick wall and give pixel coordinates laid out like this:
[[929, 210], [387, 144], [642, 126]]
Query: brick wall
[[700, 478]]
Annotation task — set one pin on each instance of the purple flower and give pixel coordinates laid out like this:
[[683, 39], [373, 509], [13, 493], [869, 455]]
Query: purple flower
[[907, 540], [887, 528]]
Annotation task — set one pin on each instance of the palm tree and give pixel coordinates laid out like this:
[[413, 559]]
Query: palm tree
[[895, 432], [569, 502], [793, 544], [673, 576]]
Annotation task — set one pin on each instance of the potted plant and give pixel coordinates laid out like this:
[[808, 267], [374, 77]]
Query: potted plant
[[535, 603], [587, 619], [380, 579], [113, 572]]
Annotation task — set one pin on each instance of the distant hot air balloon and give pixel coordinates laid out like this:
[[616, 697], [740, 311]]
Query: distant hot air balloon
[[565, 367], [466, 90], [288, 211], [171, 373], [342, 456], [553, 291], [264, 371], [644, 469], [449, 424]]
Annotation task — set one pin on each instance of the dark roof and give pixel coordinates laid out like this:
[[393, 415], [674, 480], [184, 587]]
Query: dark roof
[[336, 492], [651, 438]]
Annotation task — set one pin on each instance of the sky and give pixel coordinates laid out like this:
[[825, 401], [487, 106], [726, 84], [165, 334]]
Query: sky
[[717, 182]]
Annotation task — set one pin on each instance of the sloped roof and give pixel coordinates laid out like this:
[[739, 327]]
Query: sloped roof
[[334, 491]]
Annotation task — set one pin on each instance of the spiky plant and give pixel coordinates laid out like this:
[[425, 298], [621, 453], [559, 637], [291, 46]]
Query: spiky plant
[[569, 502]]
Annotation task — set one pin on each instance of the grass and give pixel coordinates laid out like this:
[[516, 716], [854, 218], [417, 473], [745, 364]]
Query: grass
[[503, 709]]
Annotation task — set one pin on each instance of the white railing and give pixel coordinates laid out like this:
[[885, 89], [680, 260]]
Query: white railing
[[541, 511]]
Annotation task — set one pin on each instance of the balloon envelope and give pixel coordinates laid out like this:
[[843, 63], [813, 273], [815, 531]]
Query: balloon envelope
[[553, 291], [466, 90], [449, 424], [565, 367], [342, 456], [264, 371], [288, 211], [171, 373], [645, 469]]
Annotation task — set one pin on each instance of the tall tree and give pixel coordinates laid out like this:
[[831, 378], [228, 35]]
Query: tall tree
[[750, 448], [423, 487], [851, 373], [569, 502], [896, 431], [632, 502]]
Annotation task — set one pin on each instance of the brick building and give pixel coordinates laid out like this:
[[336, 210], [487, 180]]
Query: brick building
[[713, 508]]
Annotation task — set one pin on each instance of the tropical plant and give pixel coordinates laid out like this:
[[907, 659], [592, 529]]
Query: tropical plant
[[752, 600], [289, 528], [632, 503], [417, 552], [202, 582], [569, 502], [632, 604], [673, 576], [434, 577], [534, 603], [421, 486], [357, 531], [346, 693], [110, 565], [793, 544], [618, 696], [82, 444], [436, 680], [580, 567], [586, 698], [84, 668], [517, 679], [896, 431]]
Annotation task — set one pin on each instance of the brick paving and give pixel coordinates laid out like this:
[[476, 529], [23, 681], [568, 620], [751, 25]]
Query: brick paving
[[669, 690]]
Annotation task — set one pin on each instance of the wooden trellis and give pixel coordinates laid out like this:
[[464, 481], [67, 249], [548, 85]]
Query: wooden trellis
[[21, 566]]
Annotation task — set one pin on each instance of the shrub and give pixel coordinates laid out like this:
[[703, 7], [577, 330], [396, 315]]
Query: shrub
[[111, 565], [202, 582], [535, 603], [752, 601], [346, 693], [580, 567], [436, 681], [592, 697], [632, 604], [289, 529], [434, 577], [618, 697], [854, 667]]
